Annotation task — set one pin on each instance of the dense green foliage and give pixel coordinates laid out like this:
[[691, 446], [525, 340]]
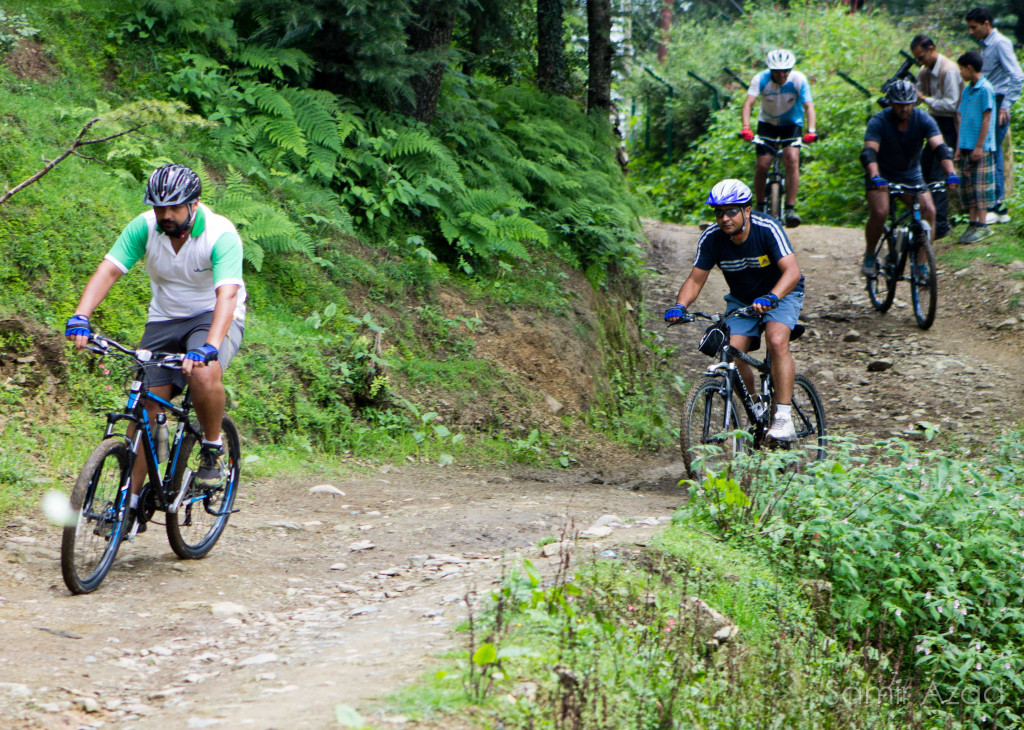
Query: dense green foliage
[[353, 214], [923, 553], [623, 643]]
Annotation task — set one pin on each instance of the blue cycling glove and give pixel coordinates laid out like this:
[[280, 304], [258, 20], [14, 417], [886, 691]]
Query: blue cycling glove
[[77, 325], [879, 182], [675, 311], [768, 300], [952, 179], [204, 354]]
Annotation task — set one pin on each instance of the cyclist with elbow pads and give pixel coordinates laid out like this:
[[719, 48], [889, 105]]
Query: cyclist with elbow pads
[[761, 269], [892, 153]]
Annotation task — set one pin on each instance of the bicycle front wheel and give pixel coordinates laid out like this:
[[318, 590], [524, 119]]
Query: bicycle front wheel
[[775, 200], [88, 546], [924, 284], [708, 437], [200, 520], [882, 285], [809, 420]]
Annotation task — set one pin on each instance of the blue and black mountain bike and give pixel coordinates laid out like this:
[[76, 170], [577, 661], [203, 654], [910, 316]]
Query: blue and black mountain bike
[[195, 516]]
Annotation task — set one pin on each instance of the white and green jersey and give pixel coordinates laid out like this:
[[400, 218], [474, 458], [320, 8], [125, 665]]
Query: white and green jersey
[[185, 283]]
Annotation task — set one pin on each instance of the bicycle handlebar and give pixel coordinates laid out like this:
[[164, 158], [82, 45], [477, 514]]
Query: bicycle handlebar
[[102, 346], [904, 189], [747, 311], [776, 142]]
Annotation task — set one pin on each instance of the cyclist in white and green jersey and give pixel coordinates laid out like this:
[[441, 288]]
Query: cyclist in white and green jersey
[[194, 261]]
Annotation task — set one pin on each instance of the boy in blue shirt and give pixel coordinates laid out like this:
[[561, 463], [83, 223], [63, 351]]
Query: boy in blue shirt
[[976, 146]]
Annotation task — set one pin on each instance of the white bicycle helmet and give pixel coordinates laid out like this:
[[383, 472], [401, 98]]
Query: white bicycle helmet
[[730, 192], [781, 60]]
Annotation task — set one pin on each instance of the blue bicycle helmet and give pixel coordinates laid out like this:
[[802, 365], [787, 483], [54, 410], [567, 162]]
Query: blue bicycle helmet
[[730, 192]]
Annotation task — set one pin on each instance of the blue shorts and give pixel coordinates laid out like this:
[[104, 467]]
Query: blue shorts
[[788, 312]]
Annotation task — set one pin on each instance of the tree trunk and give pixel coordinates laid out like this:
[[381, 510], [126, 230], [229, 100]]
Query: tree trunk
[[431, 33], [599, 54], [666, 26], [551, 72]]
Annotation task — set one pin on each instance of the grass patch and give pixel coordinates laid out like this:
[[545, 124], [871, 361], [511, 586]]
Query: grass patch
[[621, 643]]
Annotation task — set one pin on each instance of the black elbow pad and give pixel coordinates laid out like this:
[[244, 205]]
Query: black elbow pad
[[943, 152], [867, 156]]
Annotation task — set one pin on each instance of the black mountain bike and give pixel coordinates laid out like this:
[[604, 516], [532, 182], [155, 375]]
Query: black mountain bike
[[906, 237], [195, 516], [775, 185], [714, 408]]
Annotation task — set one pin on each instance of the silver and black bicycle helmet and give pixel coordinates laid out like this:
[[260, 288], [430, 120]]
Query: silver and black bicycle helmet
[[173, 185], [781, 60], [730, 192], [901, 91]]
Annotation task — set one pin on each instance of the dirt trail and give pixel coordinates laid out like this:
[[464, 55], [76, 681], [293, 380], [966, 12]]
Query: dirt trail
[[287, 617]]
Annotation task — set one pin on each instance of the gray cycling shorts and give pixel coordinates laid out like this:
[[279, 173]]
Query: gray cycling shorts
[[182, 335]]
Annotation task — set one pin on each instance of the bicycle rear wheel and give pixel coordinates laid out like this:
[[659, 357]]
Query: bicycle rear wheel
[[708, 441], [775, 199], [924, 284], [882, 286], [200, 520], [88, 547], [809, 420]]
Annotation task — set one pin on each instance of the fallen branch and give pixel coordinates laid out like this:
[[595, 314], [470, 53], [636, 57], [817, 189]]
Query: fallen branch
[[79, 142]]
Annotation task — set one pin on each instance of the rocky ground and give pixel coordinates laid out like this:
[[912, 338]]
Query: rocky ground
[[322, 596]]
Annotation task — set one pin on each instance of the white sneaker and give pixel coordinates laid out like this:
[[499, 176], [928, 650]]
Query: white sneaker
[[998, 215], [782, 430]]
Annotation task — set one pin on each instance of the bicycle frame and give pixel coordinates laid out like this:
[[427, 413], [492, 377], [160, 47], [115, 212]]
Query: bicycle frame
[[136, 413], [776, 174], [732, 382]]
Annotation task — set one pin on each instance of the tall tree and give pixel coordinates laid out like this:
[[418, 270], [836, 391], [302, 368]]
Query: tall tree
[[551, 69], [666, 26], [430, 34], [599, 54]]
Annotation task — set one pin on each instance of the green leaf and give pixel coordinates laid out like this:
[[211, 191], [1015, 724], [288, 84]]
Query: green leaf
[[485, 654]]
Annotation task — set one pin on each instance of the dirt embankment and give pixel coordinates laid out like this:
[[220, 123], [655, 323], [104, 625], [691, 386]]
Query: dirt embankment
[[312, 599]]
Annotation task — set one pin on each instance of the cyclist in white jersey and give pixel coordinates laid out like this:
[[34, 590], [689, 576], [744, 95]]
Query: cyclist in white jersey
[[194, 261], [785, 99]]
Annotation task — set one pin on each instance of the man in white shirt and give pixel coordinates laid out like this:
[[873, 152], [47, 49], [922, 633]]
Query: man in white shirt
[[938, 88]]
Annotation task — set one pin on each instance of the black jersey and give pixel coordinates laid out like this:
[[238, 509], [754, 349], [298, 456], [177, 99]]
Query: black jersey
[[751, 268]]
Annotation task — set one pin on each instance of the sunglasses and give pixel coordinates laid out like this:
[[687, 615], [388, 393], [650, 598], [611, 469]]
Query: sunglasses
[[730, 212]]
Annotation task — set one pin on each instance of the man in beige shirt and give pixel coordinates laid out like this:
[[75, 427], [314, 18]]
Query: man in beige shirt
[[938, 88]]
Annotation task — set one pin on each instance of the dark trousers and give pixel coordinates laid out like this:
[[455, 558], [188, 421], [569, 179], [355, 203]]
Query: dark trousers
[[931, 166]]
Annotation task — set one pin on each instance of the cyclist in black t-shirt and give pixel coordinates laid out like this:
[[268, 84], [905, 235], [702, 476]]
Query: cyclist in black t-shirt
[[893, 144], [759, 265]]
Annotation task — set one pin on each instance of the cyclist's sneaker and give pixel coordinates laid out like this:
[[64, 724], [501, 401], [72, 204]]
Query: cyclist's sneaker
[[133, 518], [791, 218], [211, 469], [921, 273], [870, 265], [782, 429]]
